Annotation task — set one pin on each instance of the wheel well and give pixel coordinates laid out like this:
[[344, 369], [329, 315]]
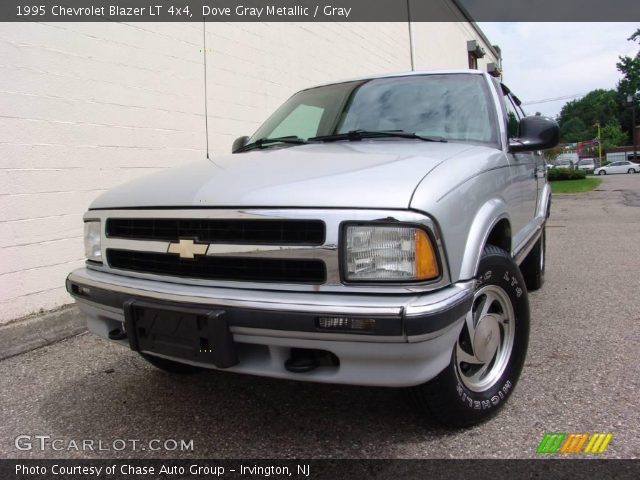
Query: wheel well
[[500, 235]]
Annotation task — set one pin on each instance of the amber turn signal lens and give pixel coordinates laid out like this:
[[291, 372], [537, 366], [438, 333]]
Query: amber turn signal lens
[[426, 262]]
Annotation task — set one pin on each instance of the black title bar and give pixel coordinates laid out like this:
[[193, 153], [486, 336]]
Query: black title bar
[[318, 10], [201, 469]]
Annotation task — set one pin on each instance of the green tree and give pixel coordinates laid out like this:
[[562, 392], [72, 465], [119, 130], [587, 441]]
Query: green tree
[[552, 153], [630, 69], [613, 136], [628, 85], [577, 117]]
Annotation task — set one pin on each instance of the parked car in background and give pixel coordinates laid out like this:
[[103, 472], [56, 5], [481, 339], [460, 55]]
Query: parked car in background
[[618, 167], [566, 160], [586, 164], [563, 163]]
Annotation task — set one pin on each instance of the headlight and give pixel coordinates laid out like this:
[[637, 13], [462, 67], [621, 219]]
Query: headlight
[[389, 253], [92, 241]]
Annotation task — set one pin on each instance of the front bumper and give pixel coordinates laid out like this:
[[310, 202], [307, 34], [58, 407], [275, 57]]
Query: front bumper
[[411, 343]]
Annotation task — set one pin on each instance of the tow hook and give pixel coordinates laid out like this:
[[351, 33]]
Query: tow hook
[[117, 334], [302, 361]]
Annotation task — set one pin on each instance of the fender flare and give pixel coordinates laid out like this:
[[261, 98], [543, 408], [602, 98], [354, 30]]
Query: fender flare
[[487, 217]]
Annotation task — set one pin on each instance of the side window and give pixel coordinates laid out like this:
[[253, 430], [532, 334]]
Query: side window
[[302, 122], [513, 118]]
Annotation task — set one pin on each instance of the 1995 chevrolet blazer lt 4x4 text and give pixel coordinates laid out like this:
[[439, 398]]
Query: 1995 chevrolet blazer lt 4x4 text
[[382, 231]]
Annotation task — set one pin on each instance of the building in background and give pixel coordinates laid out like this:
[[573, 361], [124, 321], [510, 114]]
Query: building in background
[[87, 106]]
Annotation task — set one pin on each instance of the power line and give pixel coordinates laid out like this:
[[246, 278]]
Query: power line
[[556, 99]]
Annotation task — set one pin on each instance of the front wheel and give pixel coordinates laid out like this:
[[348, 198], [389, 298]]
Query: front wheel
[[488, 356], [602, 172]]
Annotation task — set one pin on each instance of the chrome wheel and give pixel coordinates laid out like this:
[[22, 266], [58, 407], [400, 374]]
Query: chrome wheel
[[485, 343], [490, 350]]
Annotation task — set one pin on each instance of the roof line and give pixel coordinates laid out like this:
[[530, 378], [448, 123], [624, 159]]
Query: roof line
[[412, 73]]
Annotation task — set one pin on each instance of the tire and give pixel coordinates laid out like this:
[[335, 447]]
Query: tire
[[631, 170], [533, 265], [170, 366], [462, 395], [602, 172]]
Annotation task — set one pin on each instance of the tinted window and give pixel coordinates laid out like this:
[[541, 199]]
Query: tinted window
[[454, 106], [450, 106], [308, 113], [304, 120]]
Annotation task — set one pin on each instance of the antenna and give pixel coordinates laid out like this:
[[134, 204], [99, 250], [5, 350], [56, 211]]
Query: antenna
[[206, 113]]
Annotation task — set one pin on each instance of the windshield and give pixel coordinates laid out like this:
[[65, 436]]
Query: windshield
[[454, 107]]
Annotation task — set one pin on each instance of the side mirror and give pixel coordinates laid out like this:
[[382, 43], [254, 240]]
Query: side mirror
[[238, 143], [536, 133]]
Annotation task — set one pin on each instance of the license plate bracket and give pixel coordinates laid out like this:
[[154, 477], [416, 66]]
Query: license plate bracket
[[190, 333]]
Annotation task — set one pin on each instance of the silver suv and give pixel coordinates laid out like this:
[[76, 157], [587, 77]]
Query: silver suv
[[382, 231]]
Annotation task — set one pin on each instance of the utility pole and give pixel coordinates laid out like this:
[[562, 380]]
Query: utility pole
[[631, 101], [411, 39], [599, 145], [633, 132]]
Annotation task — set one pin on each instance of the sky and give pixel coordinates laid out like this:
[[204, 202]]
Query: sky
[[551, 60]]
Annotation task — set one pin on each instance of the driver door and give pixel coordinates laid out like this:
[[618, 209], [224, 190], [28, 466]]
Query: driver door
[[523, 166]]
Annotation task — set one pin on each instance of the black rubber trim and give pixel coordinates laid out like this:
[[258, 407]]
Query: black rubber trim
[[423, 324], [242, 317], [287, 321]]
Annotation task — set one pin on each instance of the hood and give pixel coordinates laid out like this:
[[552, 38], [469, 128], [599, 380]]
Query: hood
[[372, 174]]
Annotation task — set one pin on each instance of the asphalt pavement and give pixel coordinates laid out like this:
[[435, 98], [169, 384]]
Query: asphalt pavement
[[582, 374]]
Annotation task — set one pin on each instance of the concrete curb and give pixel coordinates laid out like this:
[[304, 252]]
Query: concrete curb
[[35, 332]]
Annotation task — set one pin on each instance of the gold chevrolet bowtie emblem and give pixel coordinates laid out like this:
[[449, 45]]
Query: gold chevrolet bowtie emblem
[[187, 248]]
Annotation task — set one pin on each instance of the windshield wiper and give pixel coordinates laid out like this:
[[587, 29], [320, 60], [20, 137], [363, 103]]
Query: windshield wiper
[[263, 142], [356, 135]]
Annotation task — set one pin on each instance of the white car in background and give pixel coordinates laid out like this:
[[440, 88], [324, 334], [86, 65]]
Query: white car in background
[[618, 167]]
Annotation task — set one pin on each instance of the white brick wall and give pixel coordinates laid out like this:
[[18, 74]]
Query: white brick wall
[[85, 107]]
